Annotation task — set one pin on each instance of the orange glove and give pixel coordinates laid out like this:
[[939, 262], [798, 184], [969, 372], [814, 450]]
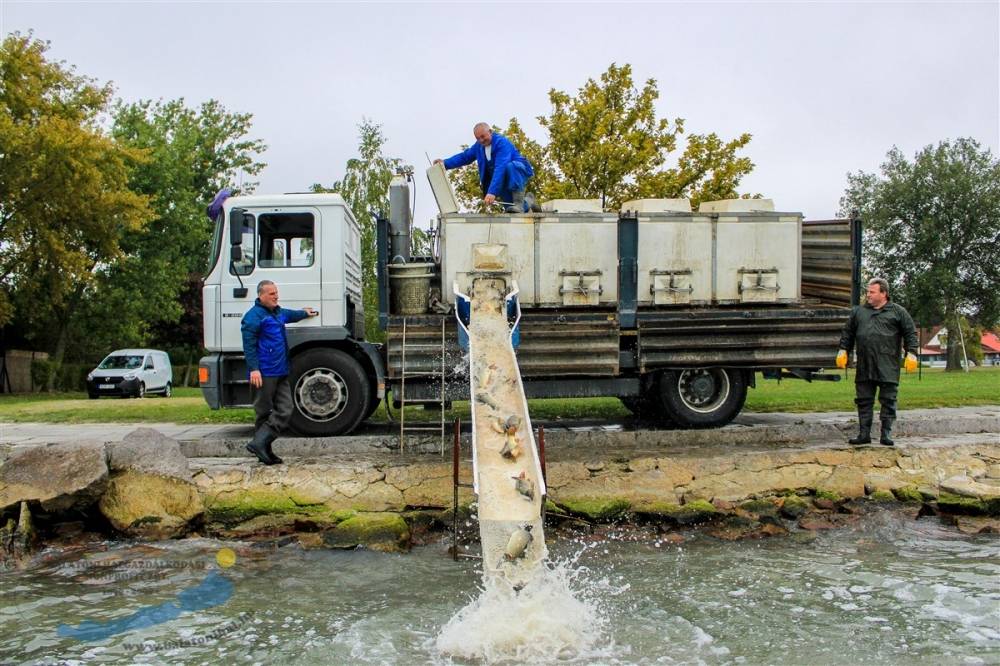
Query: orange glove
[[910, 364], [842, 359]]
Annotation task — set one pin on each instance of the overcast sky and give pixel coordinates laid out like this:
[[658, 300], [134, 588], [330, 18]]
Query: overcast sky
[[825, 88]]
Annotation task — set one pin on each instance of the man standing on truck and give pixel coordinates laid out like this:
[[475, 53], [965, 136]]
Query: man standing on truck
[[265, 347], [503, 171], [879, 327]]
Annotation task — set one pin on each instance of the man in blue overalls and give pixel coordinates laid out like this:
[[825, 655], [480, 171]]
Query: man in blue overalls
[[265, 347], [503, 171]]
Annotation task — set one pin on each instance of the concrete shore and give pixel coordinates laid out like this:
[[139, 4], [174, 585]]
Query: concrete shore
[[763, 475]]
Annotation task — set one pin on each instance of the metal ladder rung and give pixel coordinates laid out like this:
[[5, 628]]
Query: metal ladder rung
[[439, 375]]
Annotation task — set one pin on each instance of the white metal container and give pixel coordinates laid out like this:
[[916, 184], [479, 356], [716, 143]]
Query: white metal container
[[577, 260], [463, 234], [675, 259], [758, 257], [572, 206], [737, 206], [657, 206]]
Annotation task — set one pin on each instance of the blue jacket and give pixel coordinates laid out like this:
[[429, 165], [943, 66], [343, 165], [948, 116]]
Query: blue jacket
[[265, 344], [503, 153]]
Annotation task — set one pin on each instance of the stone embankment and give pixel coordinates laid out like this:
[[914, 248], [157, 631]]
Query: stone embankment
[[732, 483]]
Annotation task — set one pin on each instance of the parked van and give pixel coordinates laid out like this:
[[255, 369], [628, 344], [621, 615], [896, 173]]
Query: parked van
[[131, 373]]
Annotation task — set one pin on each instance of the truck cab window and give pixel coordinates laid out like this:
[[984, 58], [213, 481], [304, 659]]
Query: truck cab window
[[245, 265], [286, 240]]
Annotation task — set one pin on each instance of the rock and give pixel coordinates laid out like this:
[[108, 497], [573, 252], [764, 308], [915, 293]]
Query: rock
[[734, 528], [17, 540], [985, 496], [973, 506], [976, 524], [825, 503], [689, 513], [598, 510], [761, 508], [815, 523], [908, 494], [150, 506], [384, 532], [59, 477], [794, 507], [148, 451], [882, 496], [595, 466]]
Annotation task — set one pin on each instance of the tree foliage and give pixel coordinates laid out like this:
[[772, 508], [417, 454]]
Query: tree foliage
[[365, 188], [64, 195], [932, 228], [607, 142]]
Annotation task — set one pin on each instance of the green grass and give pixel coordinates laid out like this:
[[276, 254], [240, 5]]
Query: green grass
[[936, 389]]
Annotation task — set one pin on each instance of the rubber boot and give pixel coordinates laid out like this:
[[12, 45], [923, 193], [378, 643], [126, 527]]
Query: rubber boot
[[864, 428], [260, 446], [271, 436], [517, 203], [886, 436], [530, 204]]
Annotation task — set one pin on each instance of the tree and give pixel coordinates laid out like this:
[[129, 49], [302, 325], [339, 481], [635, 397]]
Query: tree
[[932, 228], [365, 188], [64, 195], [608, 143], [192, 153]]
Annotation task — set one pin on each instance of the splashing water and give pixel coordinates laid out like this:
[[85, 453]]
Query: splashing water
[[556, 618]]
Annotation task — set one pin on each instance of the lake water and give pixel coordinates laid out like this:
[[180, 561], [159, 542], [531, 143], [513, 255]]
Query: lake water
[[888, 590]]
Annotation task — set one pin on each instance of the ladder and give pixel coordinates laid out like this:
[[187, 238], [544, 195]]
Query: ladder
[[438, 373]]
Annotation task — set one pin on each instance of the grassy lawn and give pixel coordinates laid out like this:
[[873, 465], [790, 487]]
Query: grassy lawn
[[935, 389]]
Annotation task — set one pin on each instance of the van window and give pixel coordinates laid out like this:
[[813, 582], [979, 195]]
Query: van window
[[286, 240], [245, 265], [121, 362]]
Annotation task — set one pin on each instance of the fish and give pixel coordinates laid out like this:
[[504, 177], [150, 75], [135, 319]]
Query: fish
[[517, 544], [512, 423], [485, 376], [511, 448], [524, 486], [487, 400]]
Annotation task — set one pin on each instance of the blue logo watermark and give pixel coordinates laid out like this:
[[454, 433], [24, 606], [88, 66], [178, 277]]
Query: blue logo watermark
[[213, 590]]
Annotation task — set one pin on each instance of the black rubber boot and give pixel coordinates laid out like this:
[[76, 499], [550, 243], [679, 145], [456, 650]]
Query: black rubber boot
[[531, 204], [271, 436], [864, 435], [886, 436], [260, 446]]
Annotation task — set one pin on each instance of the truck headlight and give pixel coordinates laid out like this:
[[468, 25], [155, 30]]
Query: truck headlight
[[131, 375]]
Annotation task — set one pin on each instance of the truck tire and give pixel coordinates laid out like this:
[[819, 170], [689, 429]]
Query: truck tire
[[648, 409], [330, 393], [703, 397]]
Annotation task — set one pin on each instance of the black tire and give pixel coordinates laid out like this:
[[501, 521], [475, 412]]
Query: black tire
[[167, 390], [703, 397], [643, 408], [373, 404], [330, 392], [93, 396]]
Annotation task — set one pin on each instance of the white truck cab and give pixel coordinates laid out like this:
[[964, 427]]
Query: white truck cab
[[309, 245]]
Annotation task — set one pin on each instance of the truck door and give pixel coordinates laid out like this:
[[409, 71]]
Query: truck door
[[279, 244]]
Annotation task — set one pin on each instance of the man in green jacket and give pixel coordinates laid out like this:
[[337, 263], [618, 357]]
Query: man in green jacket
[[880, 328]]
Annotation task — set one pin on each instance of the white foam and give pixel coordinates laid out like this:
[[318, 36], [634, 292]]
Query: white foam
[[546, 621]]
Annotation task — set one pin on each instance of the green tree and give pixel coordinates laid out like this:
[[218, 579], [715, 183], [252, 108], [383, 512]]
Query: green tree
[[64, 195], [932, 228], [365, 188], [192, 153], [607, 142]]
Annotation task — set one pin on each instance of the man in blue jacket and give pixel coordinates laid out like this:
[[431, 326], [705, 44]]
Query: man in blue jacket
[[265, 347], [503, 171]]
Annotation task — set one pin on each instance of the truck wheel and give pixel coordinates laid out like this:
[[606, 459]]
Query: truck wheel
[[703, 397], [373, 404], [330, 391]]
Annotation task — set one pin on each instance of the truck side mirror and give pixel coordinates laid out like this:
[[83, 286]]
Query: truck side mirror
[[236, 226], [235, 253]]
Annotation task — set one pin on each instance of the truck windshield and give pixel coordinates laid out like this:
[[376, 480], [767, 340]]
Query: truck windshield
[[216, 248], [121, 362]]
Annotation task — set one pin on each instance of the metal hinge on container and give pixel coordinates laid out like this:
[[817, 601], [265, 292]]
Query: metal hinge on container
[[671, 286], [581, 287], [760, 276]]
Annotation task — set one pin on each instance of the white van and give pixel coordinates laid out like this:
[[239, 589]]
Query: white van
[[131, 373]]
